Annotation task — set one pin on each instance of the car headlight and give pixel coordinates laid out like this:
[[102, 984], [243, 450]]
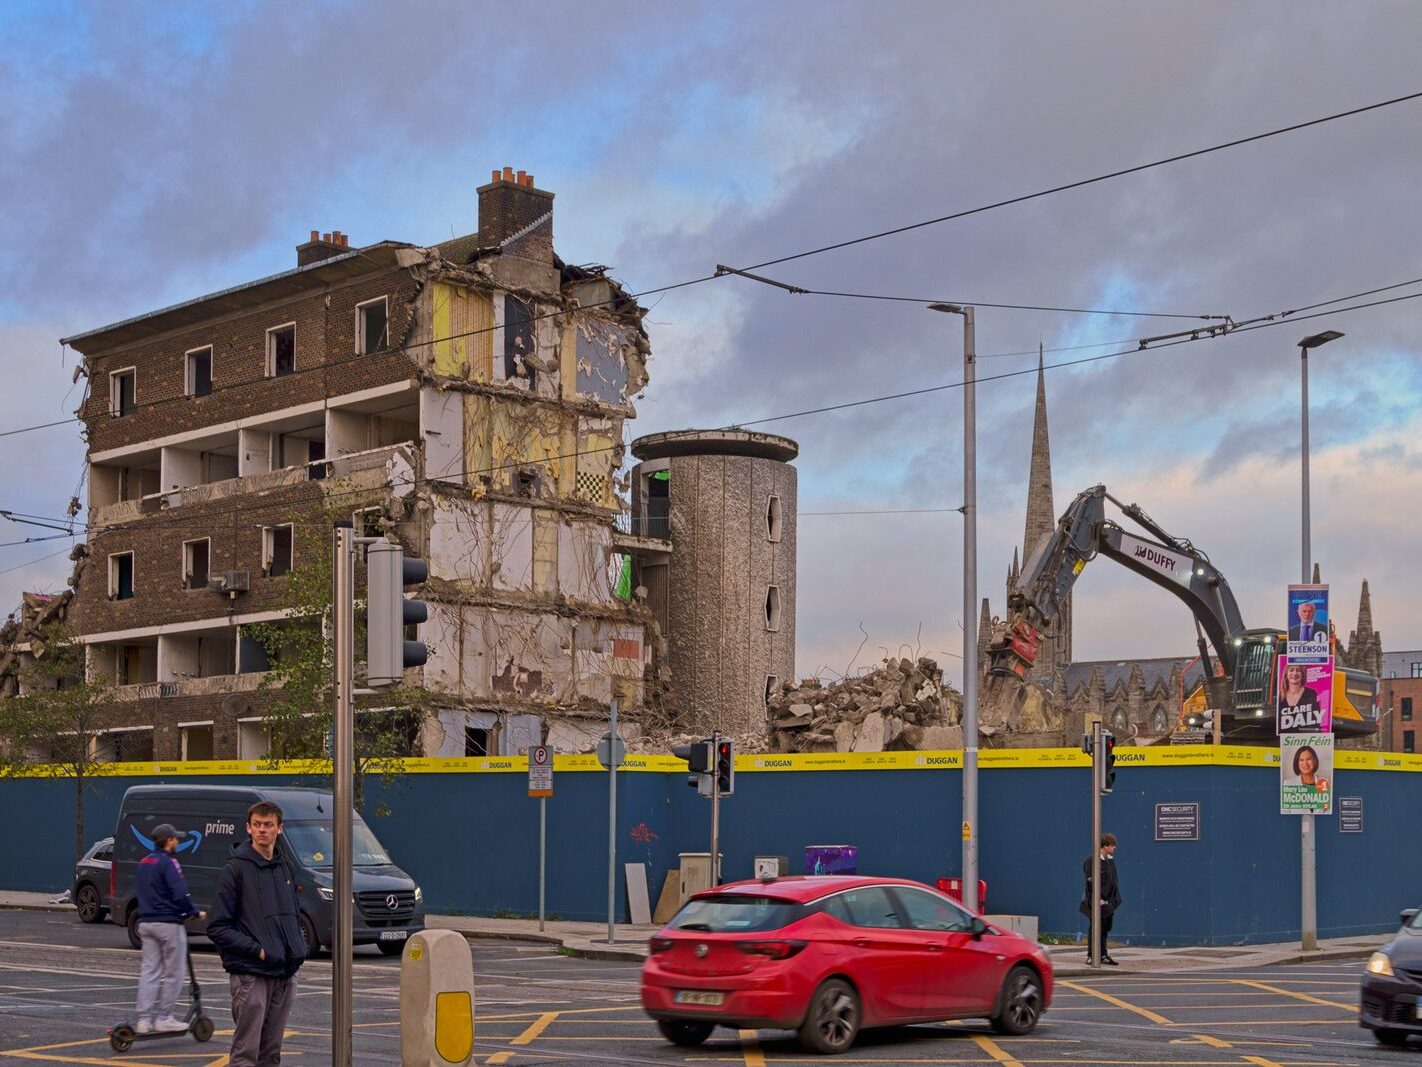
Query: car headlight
[[1379, 963], [325, 892], [419, 895]]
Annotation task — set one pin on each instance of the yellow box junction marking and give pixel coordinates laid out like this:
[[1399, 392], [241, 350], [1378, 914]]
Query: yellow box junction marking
[[1307, 997], [1144, 1013], [996, 1051], [750, 1049]]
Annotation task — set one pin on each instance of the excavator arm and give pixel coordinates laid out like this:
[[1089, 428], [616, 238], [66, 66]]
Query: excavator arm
[[1084, 532]]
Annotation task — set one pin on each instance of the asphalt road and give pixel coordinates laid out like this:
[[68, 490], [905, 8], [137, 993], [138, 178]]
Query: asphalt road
[[62, 984]]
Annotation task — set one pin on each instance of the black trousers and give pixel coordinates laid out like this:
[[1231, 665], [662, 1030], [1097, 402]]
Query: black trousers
[[1107, 915]]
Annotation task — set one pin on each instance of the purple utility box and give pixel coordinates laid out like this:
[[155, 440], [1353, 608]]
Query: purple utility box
[[831, 859]]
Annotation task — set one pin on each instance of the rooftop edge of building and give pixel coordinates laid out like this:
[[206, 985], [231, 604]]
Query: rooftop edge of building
[[715, 443]]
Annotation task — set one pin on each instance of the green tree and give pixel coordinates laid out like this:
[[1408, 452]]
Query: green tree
[[300, 683], [50, 729]]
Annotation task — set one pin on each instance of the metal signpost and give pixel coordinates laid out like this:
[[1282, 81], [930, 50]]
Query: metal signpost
[[342, 760], [715, 810], [1094, 946], [611, 751], [540, 785]]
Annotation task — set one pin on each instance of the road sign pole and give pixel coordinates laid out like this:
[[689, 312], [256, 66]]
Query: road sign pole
[[715, 809], [342, 758], [542, 858], [1096, 946], [611, 819]]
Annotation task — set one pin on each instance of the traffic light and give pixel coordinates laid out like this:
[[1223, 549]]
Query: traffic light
[[725, 767], [388, 572], [699, 758], [1107, 768]]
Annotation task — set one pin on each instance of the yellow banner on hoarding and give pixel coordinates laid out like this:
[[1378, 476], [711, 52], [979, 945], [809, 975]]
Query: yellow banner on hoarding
[[656, 763]]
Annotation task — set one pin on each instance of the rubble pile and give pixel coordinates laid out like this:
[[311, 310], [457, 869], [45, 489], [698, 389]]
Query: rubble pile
[[902, 705]]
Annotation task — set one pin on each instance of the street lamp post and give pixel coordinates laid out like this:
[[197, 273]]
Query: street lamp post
[[970, 598], [1308, 920]]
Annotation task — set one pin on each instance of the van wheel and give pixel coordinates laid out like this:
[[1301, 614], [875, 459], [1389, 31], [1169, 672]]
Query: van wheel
[[309, 935], [1391, 1037], [391, 948], [832, 1023], [133, 938], [88, 904]]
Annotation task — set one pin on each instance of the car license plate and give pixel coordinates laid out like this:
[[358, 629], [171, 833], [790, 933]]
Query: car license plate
[[394, 935], [699, 996]]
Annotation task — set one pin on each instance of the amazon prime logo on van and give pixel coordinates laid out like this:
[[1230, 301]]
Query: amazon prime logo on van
[[188, 840]]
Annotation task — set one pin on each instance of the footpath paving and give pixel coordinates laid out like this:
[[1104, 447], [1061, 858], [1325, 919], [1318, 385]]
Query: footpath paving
[[589, 940]]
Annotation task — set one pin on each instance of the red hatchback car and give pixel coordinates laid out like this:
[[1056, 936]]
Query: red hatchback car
[[831, 955]]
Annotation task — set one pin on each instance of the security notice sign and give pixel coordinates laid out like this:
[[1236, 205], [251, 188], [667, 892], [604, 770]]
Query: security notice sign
[[1177, 822], [540, 771], [1306, 774]]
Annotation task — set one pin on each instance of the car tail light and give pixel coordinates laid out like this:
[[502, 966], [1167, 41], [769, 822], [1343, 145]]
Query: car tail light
[[776, 950], [660, 944]]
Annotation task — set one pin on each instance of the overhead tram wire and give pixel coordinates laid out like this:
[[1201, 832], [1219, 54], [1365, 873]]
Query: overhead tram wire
[[881, 234], [1142, 345]]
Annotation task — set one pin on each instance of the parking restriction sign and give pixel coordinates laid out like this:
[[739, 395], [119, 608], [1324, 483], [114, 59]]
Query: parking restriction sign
[[540, 771]]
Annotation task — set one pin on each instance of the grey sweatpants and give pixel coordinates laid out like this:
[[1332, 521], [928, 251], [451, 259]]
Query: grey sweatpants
[[160, 976], [259, 1010]]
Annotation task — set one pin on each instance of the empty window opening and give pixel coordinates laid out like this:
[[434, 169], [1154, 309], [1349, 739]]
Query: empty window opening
[[121, 576], [124, 746], [371, 326], [196, 560], [772, 608], [526, 484], [315, 457], [135, 664], [197, 741], [772, 683], [123, 392], [1409, 740], [657, 505], [518, 341], [281, 350], [1407, 708], [772, 519], [476, 741], [199, 371], [277, 550], [367, 522], [254, 739]]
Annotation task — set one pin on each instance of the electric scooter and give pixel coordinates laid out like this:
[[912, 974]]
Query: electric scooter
[[122, 1036]]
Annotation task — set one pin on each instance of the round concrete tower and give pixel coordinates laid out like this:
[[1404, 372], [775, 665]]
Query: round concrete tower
[[723, 591]]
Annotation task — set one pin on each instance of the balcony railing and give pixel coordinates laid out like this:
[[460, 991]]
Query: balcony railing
[[653, 526]]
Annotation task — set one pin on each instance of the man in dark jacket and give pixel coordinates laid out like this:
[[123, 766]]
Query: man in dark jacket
[[163, 905], [256, 929], [1110, 897]]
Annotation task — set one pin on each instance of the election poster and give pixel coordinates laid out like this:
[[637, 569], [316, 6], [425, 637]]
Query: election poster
[[1304, 701], [1306, 774], [1308, 623]]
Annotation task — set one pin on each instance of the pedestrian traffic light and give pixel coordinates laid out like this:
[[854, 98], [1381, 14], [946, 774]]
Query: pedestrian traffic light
[[699, 759], [389, 611], [725, 767], [1106, 770]]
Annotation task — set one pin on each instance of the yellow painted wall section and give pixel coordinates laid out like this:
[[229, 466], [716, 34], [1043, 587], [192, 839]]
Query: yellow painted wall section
[[502, 435], [594, 481], [463, 321]]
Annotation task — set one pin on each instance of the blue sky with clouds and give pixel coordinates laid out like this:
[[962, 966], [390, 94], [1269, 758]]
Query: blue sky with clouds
[[154, 152]]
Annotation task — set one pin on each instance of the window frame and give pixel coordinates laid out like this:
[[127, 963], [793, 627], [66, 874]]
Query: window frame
[[529, 378], [269, 362], [902, 920], [905, 894], [269, 549], [1405, 709], [187, 573], [189, 385], [115, 582], [361, 341], [115, 409], [774, 519]]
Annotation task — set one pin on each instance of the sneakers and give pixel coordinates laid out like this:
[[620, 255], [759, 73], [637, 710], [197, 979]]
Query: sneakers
[[1109, 961], [169, 1025], [145, 1026]]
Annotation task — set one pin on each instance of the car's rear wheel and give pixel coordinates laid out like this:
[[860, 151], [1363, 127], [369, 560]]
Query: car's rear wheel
[[133, 938], [832, 1022], [685, 1034], [88, 904], [1391, 1037], [1021, 1003]]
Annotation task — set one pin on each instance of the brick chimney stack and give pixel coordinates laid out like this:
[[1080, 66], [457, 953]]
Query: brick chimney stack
[[322, 246], [508, 205]]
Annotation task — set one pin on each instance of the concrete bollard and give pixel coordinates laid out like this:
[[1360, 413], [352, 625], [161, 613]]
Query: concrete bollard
[[436, 1000]]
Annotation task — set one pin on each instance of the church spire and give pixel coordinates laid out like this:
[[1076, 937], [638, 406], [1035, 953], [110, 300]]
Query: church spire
[[1041, 513]]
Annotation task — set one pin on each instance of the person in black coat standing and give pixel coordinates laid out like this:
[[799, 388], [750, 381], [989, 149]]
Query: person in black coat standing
[[255, 925], [1110, 897]]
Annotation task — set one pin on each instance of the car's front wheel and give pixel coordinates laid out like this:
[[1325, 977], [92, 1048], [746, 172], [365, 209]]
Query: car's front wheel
[[1391, 1037], [832, 1023], [88, 904], [685, 1034], [1021, 1003], [310, 936]]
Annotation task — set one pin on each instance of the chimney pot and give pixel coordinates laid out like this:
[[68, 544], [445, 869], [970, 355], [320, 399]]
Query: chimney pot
[[496, 175], [508, 174], [326, 237], [528, 181], [315, 235], [522, 176]]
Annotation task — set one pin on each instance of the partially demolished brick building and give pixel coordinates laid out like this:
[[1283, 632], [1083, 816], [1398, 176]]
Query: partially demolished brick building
[[466, 399]]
